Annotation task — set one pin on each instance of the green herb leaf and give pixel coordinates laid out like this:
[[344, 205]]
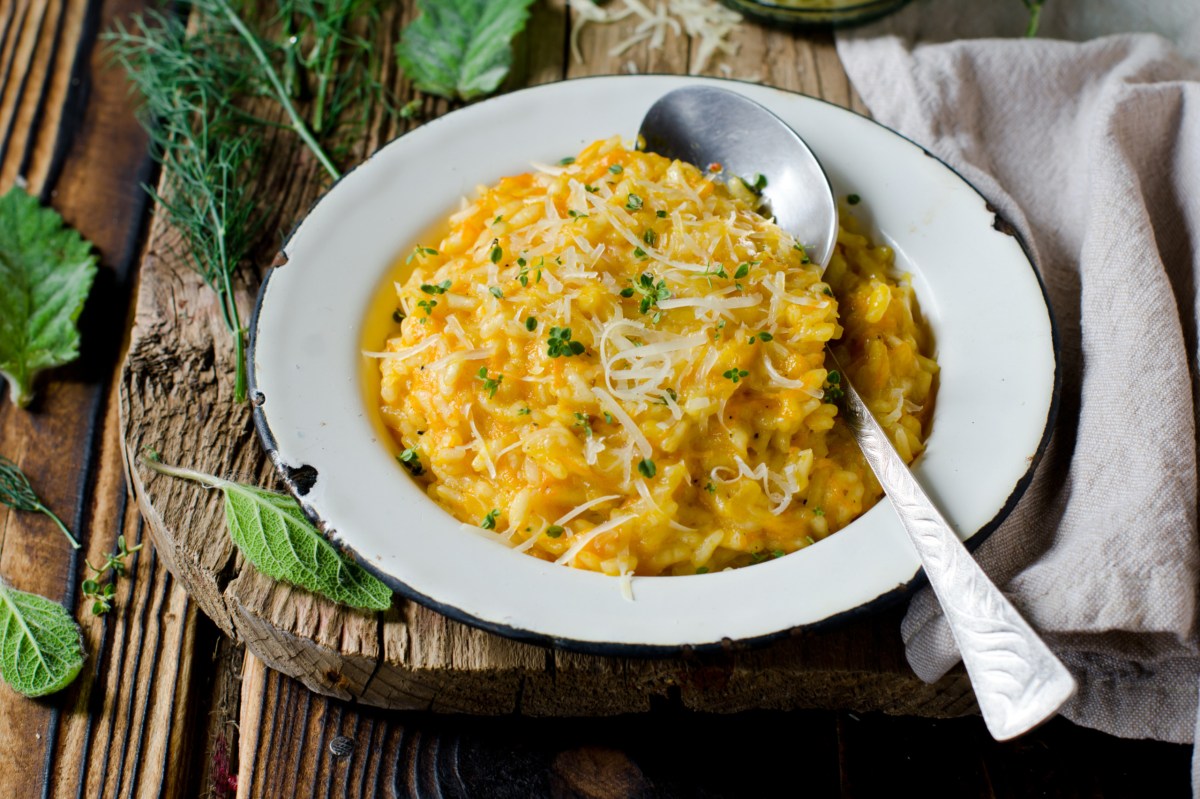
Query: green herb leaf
[[489, 521], [46, 272], [531, 323], [411, 459], [461, 49], [652, 293], [647, 467], [41, 647], [633, 203], [834, 392], [435, 288], [489, 384], [273, 533], [735, 374], [554, 531], [496, 292], [102, 594], [559, 343]]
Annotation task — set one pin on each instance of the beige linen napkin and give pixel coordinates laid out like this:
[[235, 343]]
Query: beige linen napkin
[[1092, 150]]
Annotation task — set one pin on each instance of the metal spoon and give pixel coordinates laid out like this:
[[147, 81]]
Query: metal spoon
[[1018, 681]]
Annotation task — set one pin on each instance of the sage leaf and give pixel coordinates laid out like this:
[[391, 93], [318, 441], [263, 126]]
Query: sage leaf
[[272, 532], [41, 646], [461, 49], [46, 272]]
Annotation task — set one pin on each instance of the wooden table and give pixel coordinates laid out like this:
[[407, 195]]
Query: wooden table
[[167, 705]]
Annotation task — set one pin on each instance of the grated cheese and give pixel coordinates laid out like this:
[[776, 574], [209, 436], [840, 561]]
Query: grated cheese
[[395, 356], [586, 538]]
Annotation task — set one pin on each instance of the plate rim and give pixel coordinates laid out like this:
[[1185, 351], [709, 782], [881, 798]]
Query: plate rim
[[298, 482]]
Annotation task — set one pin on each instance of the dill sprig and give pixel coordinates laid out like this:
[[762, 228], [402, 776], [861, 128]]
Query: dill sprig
[[220, 8], [195, 77], [200, 138], [16, 493], [329, 63]]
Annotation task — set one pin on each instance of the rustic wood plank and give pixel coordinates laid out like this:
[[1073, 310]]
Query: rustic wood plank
[[69, 130], [329, 748]]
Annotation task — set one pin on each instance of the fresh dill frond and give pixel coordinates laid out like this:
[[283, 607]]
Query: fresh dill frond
[[196, 73], [203, 143]]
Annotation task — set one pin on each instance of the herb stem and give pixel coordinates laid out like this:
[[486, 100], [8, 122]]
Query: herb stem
[[298, 123], [206, 480], [59, 522], [1035, 17], [229, 310]]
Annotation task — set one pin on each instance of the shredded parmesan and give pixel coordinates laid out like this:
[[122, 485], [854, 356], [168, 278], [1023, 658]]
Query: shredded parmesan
[[483, 450], [578, 509], [636, 437], [408, 352], [587, 538]]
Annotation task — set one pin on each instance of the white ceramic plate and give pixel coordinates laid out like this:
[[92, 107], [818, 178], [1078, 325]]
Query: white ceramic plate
[[995, 345]]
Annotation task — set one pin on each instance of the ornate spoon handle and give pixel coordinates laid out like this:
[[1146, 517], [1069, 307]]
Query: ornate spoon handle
[[1018, 681]]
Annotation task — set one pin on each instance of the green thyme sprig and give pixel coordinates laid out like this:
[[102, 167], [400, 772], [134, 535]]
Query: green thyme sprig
[[559, 343], [834, 393], [490, 384], [652, 293], [102, 593]]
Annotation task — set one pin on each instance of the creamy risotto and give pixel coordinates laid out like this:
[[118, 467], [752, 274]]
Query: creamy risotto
[[616, 364]]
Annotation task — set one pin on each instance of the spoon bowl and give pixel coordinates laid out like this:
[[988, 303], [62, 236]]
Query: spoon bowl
[[706, 126], [1018, 681]]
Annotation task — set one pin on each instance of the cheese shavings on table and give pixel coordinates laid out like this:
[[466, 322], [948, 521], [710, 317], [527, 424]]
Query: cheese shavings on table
[[617, 364]]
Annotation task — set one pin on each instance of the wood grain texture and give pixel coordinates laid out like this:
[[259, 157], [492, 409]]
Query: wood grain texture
[[68, 131], [176, 399], [170, 706], [314, 746]]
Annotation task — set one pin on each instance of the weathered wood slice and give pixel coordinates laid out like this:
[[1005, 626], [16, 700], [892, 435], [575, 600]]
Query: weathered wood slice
[[176, 398]]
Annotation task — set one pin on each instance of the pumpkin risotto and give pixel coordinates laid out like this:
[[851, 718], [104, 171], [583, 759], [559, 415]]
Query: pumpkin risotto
[[618, 365]]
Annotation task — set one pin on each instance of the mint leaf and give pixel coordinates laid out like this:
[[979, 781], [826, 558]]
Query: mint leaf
[[46, 272], [461, 49], [273, 533], [41, 647]]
